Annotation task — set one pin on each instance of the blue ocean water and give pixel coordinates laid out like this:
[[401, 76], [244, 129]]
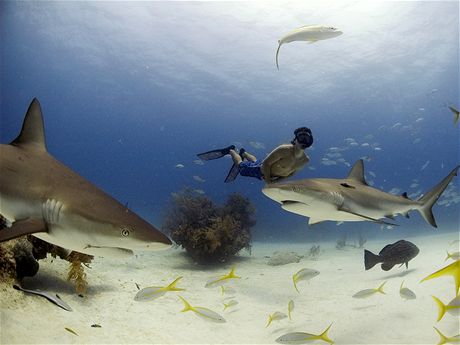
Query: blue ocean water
[[129, 90]]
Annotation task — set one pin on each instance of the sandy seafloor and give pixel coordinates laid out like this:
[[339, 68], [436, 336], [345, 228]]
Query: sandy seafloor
[[263, 289]]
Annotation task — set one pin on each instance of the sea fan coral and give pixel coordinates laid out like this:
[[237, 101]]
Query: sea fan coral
[[210, 233]]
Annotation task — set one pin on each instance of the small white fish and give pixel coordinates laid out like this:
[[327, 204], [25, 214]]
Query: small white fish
[[199, 191], [304, 338], [257, 145], [372, 174], [354, 143], [202, 312], [414, 185], [290, 308], [425, 165], [406, 293], [365, 144], [227, 290], [377, 148], [198, 162], [420, 119], [198, 178], [153, 292], [229, 304], [310, 33], [421, 109], [369, 292], [453, 308], [179, 166], [303, 274], [276, 316], [220, 280]]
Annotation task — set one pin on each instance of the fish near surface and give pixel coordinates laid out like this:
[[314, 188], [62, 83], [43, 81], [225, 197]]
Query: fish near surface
[[400, 252], [309, 33], [351, 199], [41, 196]]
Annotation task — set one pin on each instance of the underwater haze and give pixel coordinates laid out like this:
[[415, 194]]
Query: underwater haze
[[132, 91]]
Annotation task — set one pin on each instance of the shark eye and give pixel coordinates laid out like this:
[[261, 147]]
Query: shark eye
[[124, 232]]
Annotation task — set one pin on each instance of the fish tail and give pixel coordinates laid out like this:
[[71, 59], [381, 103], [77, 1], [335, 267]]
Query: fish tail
[[294, 280], [324, 336], [448, 256], [429, 199], [277, 52], [172, 286], [270, 319], [380, 288], [225, 306], [370, 259], [232, 273], [441, 308], [187, 305], [443, 339]]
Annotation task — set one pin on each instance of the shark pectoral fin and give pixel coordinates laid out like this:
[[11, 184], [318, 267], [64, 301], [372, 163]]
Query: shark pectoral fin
[[23, 227], [344, 209], [312, 221]]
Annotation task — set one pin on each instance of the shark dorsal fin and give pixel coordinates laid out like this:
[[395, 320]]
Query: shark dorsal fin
[[357, 172], [32, 132]]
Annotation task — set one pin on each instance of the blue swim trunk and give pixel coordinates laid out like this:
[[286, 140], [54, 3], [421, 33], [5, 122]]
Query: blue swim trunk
[[251, 169]]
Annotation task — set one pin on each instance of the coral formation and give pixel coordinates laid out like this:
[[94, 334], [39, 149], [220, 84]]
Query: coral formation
[[207, 232]]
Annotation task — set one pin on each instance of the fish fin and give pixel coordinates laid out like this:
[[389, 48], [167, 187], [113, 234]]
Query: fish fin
[[456, 117], [33, 131], [357, 172], [312, 41], [407, 264], [172, 286], [405, 196], [277, 52], [312, 221], [370, 259], [448, 256], [380, 288], [443, 339], [387, 267], [23, 227], [294, 280], [429, 199], [324, 336], [441, 308], [187, 305], [270, 319]]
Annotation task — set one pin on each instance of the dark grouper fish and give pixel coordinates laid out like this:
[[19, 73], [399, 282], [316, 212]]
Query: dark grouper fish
[[400, 252]]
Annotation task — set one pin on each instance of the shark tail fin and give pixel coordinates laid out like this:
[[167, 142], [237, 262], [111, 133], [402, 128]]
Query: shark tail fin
[[370, 259], [33, 130], [429, 199]]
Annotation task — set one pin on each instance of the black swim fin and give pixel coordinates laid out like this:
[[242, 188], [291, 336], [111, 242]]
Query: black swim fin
[[215, 154], [233, 173]]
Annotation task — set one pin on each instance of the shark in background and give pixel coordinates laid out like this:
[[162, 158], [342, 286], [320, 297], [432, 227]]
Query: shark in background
[[351, 199], [41, 196]]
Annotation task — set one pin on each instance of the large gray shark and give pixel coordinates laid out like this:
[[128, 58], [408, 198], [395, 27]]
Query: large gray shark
[[351, 199], [41, 196]]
